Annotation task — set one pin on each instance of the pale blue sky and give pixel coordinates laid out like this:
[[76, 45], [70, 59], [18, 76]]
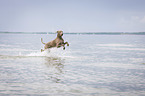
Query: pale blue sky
[[72, 15]]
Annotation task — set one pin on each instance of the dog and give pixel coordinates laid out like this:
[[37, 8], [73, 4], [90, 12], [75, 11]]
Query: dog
[[57, 42]]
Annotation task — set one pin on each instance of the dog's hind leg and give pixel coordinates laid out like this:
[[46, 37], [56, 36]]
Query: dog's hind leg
[[42, 50]]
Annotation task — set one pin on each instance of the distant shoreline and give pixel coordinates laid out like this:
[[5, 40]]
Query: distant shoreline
[[80, 33]]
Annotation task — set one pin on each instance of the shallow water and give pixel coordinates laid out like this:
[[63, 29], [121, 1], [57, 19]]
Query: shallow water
[[93, 65]]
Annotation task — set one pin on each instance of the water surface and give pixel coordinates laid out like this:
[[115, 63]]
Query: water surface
[[93, 65]]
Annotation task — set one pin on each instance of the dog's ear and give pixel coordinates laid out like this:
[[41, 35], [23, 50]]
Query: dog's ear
[[58, 31]]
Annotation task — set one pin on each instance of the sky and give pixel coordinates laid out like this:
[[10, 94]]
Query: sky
[[72, 15]]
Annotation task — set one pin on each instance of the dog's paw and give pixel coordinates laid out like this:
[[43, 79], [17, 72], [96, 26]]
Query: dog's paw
[[42, 50], [67, 44]]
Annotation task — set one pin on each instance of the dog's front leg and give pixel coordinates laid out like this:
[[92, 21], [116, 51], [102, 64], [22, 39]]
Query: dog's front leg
[[58, 45], [63, 46], [66, 43]]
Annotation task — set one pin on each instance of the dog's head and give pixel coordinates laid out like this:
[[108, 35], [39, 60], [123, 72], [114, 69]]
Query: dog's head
[[59, 33]]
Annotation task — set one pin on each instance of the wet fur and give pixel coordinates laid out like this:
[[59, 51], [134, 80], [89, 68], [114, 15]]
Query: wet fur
[[57, 42]]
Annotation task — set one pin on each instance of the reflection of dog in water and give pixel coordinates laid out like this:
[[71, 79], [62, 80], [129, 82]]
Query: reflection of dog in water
[[57, 42], [55, 67]]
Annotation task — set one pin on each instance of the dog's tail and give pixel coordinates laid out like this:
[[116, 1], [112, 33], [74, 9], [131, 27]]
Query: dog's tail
[[42, 41]]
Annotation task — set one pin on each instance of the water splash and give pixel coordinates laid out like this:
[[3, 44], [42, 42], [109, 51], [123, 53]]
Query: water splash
[[54, 52]]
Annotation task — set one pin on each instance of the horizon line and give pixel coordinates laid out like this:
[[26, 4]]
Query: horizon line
[[89, 33], [77, 32]]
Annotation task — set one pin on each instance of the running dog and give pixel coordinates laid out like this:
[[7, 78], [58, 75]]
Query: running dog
[[57, 42]]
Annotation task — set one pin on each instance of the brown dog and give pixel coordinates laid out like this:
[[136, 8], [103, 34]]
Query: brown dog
[[57, 42]]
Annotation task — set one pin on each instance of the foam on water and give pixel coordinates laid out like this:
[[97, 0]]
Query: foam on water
[[44, 53], [115, 45], [54, 52], [16, 53]]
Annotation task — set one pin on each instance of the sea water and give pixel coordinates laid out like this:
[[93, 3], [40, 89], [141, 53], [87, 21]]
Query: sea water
[[93, 65]]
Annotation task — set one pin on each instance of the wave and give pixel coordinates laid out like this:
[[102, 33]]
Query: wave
[[115, 45], [80, 33]]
